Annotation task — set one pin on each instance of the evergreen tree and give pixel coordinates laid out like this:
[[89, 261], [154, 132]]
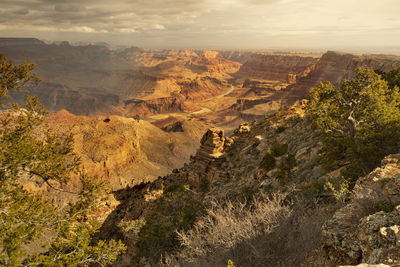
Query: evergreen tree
[[29, 150], [392, 77], [360, 121]]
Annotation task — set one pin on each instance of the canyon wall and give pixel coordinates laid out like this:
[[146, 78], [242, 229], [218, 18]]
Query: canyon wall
[[277, 67], [335, 67]]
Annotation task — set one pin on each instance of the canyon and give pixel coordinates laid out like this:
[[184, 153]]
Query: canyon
[[168, 96], [145, 120]]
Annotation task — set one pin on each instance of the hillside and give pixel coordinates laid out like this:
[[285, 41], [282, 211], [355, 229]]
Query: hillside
[[126, 151], [312, 230], [209, 155]]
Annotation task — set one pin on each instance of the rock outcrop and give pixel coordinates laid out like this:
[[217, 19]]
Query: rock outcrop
[[212, 61], [206, 165], [368, 229]]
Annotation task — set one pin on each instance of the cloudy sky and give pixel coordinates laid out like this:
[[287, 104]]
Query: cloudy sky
[[207, 23]]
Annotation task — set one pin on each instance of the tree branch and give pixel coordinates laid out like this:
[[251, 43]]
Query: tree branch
[[46, 180]]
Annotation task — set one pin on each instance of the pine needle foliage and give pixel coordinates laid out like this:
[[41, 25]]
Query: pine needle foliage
[[29, 151], [360, 122]]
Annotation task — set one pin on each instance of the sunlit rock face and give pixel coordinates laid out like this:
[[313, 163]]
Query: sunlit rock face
[[335, 67], [277, 67], [125, 151]]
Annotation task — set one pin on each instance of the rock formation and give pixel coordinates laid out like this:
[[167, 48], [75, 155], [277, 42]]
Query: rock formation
[[205, 166], [335, 67], [367, 230], [124, 151], [277, 67]]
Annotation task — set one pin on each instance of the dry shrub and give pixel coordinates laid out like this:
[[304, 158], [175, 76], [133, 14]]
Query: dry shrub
[[265, 232], [226, 226]]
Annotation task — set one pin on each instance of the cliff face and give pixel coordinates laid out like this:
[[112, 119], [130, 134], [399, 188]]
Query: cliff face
[[277, 67], [214, 62], [335, 67], [184, 96], [142, 108], [92, 79], [82, 79], [237, 56]]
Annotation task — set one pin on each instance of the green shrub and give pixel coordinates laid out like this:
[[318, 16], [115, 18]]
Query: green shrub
[[341, 190], [247, 192], [204, 185], [312, 189], [30, 152], [384, 205], [359, 122], [176, 210], [268, 162], [280, 129], [278, 150], [285, 172]]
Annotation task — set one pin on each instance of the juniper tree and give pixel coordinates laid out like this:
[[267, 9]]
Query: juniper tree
[[359, 121], [29, 150]]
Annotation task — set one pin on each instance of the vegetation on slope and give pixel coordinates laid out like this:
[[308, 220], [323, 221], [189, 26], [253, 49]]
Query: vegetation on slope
[[357, 124], [176, 210], [30, 152], [360, 122]]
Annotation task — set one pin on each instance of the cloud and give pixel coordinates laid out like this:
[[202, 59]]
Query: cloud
[[83, 29], [124, 16], [237, 23]]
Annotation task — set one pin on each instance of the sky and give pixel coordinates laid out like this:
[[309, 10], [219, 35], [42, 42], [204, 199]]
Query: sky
[[218, 24]]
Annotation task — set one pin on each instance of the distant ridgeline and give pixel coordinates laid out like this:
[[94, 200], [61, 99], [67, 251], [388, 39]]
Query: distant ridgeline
[[88, 79]]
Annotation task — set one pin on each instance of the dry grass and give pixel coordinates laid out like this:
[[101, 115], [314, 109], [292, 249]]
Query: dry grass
[[265, 232], [227, 226]]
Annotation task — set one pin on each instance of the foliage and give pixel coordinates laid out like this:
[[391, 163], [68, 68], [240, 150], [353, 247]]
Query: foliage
[[392, 77], [341, 191], [227, 226], [268, 162], [285, 171], [280, 129], [230, 263], [278, 150], [359, 122], [384, 205], [133, 226], [176, 210], [30, 152], [312, 188]]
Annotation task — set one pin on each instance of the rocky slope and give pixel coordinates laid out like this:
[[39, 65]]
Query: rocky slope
[[124, 151], [225, 167], [320, 232], [367, 230]]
